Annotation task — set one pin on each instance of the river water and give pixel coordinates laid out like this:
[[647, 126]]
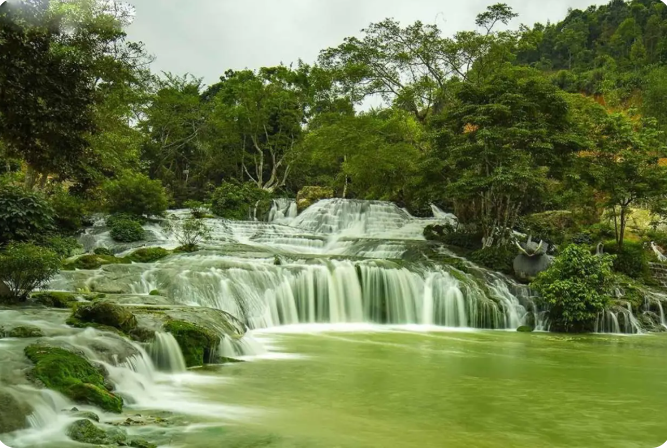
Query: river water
[[359, 336]]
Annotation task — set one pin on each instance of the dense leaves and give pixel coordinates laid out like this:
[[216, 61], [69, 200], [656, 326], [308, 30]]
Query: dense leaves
[[135, 194], [575, 289], [24, 215], [25, 267]]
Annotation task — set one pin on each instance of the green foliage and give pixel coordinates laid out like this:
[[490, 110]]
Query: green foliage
[[575, 289], [126, 230], [191, 232], [197, 344], [25, 267], [553, 226], [103, 251], [198, 209], [460, 237], [64, 246], [631, 260], [69, 211], [72, 376], [496, 258], [135, 194], [23, 215], [233, 201], [148, 255]]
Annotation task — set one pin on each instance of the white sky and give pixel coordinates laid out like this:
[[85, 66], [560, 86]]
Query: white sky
[[207, 37]]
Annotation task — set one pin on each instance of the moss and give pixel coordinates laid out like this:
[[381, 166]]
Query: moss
[[71, 375], [148, 255], [186, 249], [92, 262], [525, 329], [104, 313], [55, 299], [140, 443], [154, 292], [197, 344], [496, 258], [85, 431], [13, 413], [22, 332], [103, 251]]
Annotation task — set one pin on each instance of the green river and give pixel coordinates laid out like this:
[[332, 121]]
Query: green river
[[459, 389]]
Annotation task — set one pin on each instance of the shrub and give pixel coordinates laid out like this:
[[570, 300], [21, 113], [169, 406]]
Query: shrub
[[495, 258], [23, 215], [234, 201], [447, 234], [632, 260], [551, 226], [68, 210], [135, 194], [575, 289], [25, 267], [197, 209], [191, 232], [125, 230], [65, 247]]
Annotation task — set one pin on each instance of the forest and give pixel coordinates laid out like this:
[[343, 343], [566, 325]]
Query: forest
[[552, 130]]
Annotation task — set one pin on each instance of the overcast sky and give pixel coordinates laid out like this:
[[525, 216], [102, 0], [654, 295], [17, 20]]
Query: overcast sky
[[207, 37]]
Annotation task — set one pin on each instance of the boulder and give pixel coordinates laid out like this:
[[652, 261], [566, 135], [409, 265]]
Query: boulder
[[525, 329], [198, 344], [72, 376], [22, 332], [307, 196], [85, 431], [103, 314], [55, 299], [13, 412]]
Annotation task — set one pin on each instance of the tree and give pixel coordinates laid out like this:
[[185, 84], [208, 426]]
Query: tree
[[262, 114], [25, 267], [575, 289], [410, 67], [624, 165], [191, 232], [24, 215], [496, 147]]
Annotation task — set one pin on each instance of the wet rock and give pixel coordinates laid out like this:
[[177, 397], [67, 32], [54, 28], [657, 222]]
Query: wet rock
[[72, 375], [85, 431], [55, 299], [141, 443], [197, 343], [13, 413], [74, 412], [525, 329], [22, 332], [105, 314]]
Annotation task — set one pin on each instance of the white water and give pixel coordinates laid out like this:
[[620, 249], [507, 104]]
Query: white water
[[166, 353]]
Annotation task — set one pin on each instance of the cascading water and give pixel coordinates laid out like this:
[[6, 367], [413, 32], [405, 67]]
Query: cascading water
[[166, 353]]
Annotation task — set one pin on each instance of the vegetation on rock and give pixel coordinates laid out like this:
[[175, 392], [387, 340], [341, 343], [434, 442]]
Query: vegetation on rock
[[197, 343], [71, 375], [55, 299], [103, 314]]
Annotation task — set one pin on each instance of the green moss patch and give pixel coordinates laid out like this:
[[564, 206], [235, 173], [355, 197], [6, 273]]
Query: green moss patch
[[197, 344], [22, 332], [148, 255], [103, 314], [71, 375], [92, 261], [55, 299]]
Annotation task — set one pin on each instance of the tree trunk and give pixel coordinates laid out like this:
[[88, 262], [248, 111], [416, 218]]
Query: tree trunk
[[30, 178]]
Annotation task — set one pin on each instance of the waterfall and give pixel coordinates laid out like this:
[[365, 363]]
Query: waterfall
[[283, 210], [166, 353]]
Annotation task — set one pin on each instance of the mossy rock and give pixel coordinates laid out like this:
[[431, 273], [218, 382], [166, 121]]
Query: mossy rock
[[55, 299], [92, 262], [22, 332], [71, 375], [104, 313], [85, 431], [525, 329], [13, 413], [154, 292], [307, 196], [103, 251], [141, 443], [186, 249], [197, 344], [148, 255]]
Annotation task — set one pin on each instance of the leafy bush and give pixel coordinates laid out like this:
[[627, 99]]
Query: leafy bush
[[197, 209], [551, 227], [25, 267], [103, 251], [126, 230], [23, 215], [69, 211], [136, 194], [191, 232], [575, 289], [64, 246], [495, 258], [447, 234], [632, 260], [234, 201]]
